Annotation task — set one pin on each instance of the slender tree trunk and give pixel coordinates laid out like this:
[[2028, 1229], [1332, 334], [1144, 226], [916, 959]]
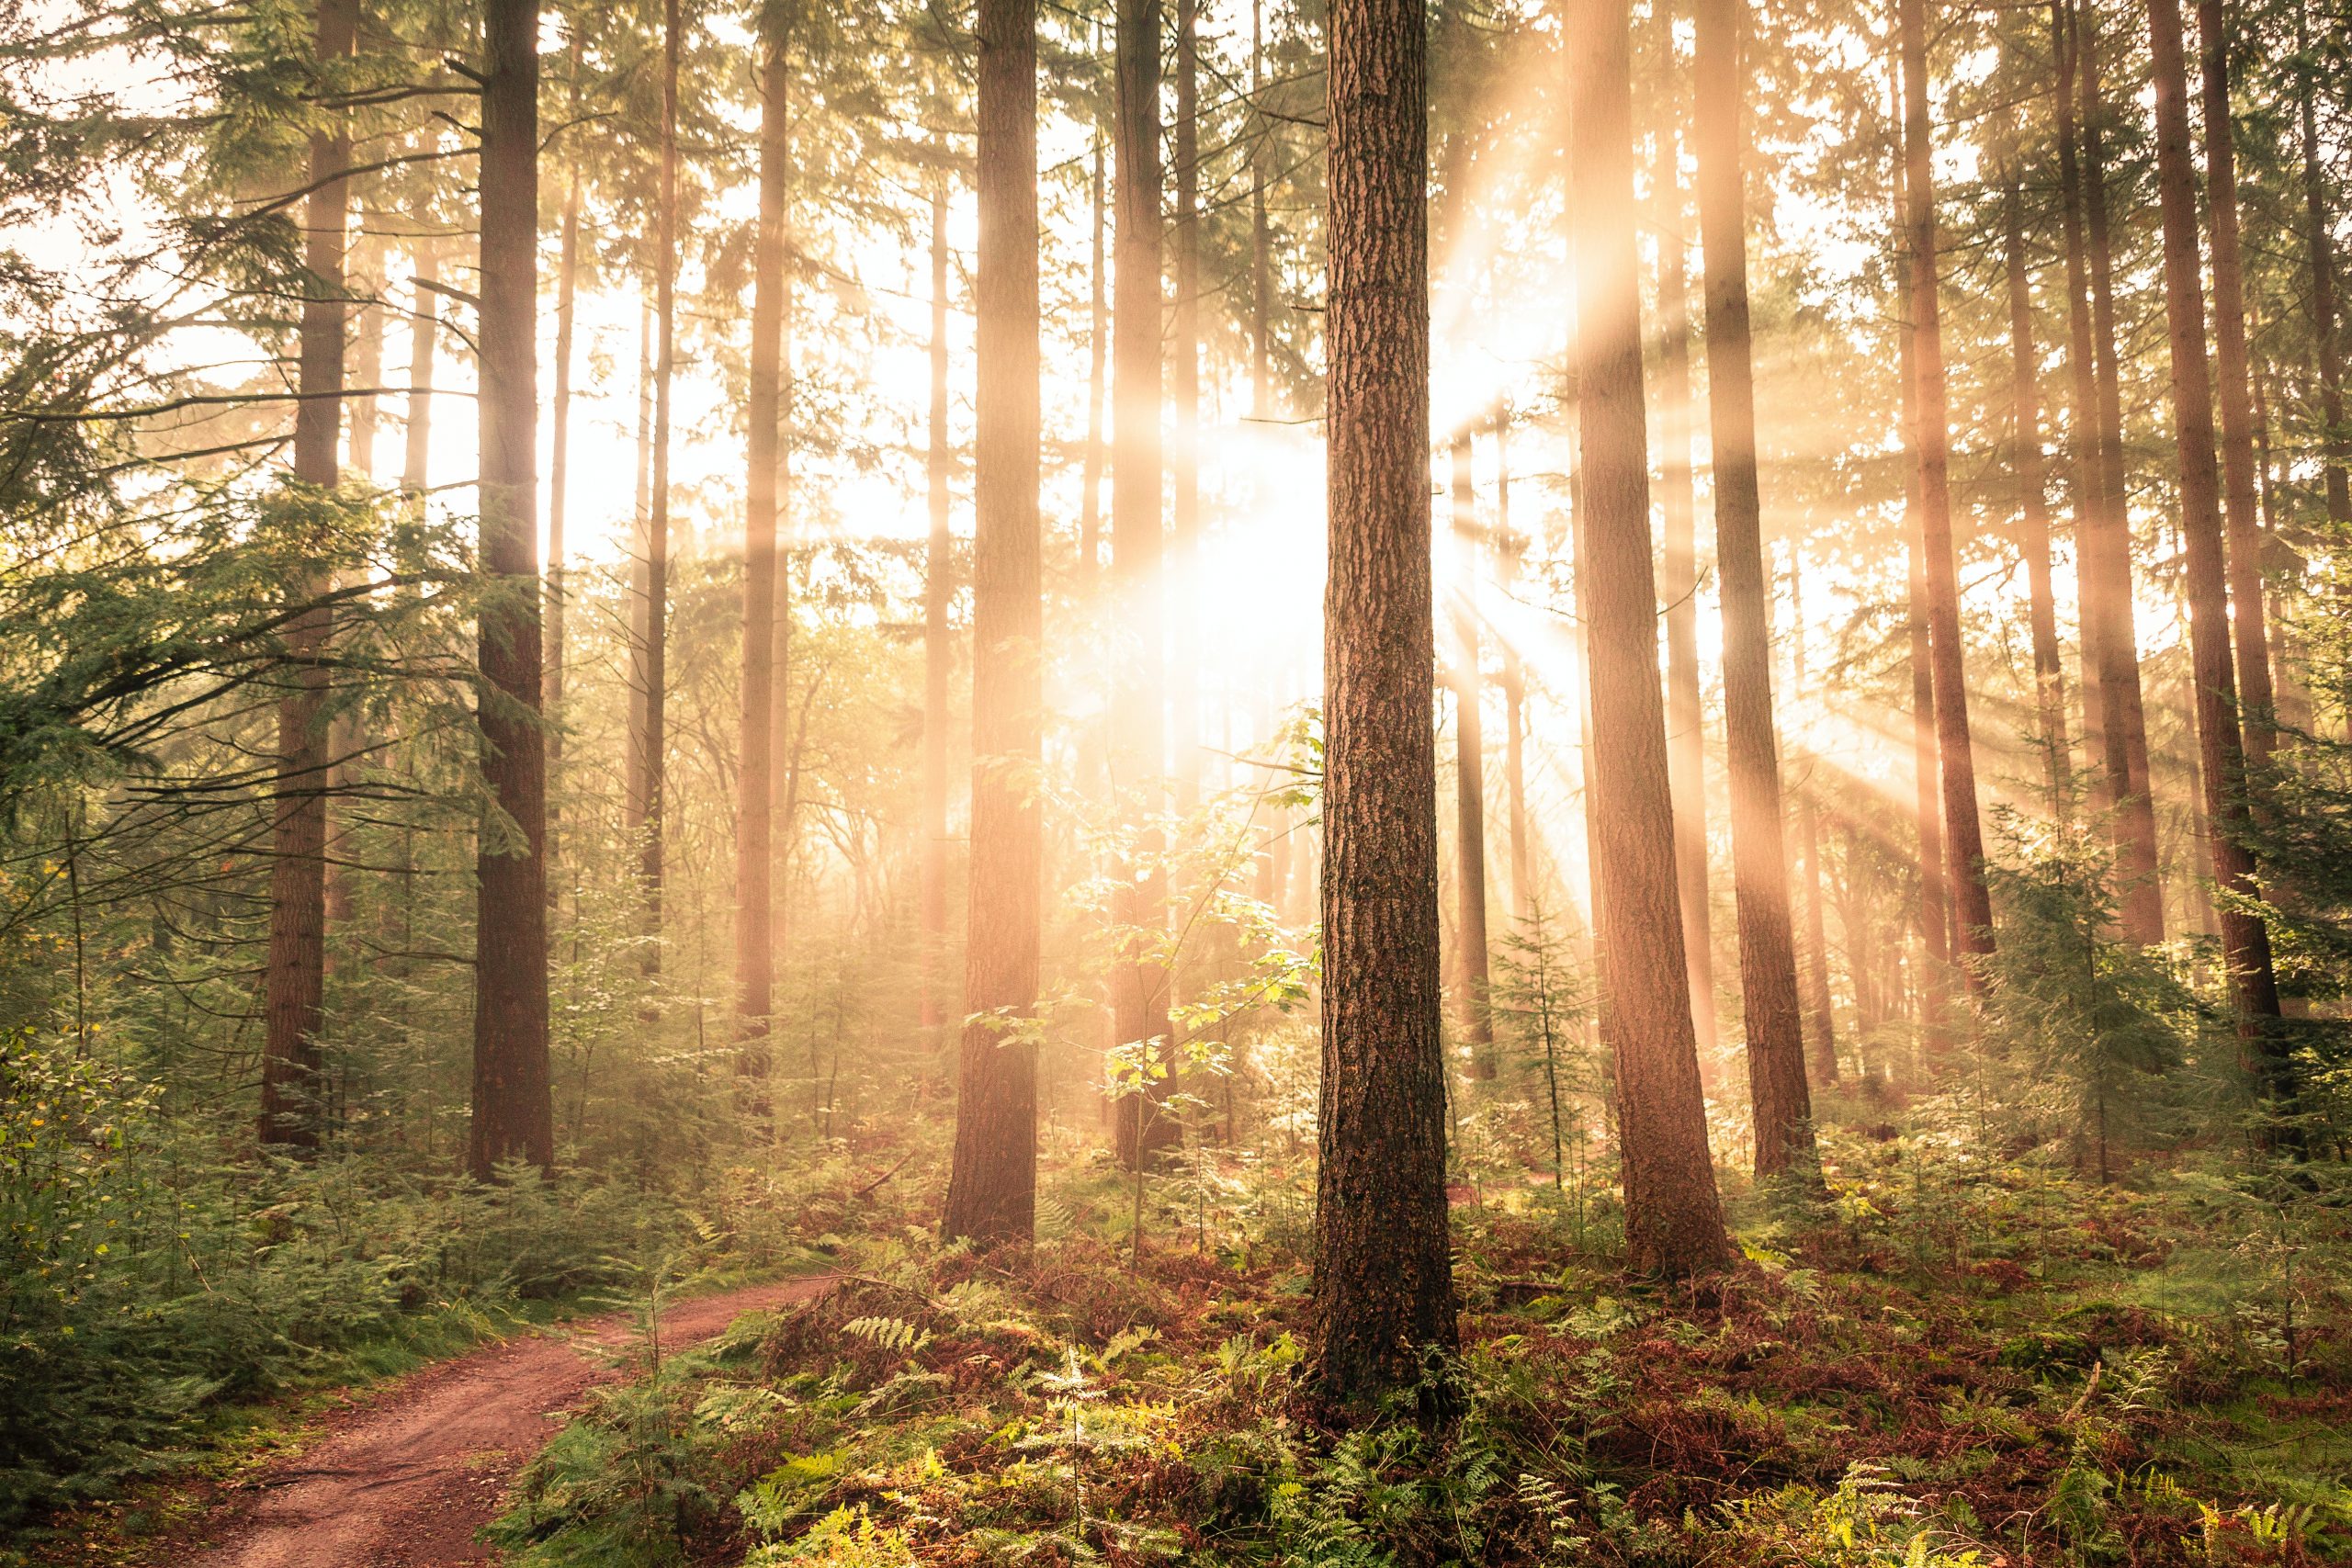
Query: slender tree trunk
[[1963, 836], [1139, 904], [1470, 770], [1673, 1216], [367, 283], [294, 977], [1822, 1037], [1768, 959], [2107, 549], [1184, 458], [1512, 547], [2246, 941], [513, 1116], [567, 295], [1089, 525], [642, 531], [938, 653], [2232, 379], [2319, 243], [1384, 1277], [2033, 510], [1685, 716], [2085, 469], [755, 777], [424, 339], [657, 554], [992, 1188], [784, 798]]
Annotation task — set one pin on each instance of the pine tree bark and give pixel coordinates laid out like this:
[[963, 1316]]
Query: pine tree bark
[[2105, 547], [2320, 256], [1685, 714], [1963, 835], [2033, 510], [656, 739], [2246, 941], [294, 976], [755, 776], [938, 653], [992, 1185], [1139, 903], [513, 1115], [1470, 769], [1673, 1215], [1782, 1102], [2232, 383], [1384, 1277]]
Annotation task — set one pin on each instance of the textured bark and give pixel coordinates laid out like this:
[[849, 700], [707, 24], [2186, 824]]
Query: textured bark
[[2033, 510], [2246, 941], [1673, 1216], [2319, 257], [2233, 392], [1383, 1278], [1470, 771], [1963, 835], [2105, 547], [294, 976], [1139, 737], [1685, 720], [938, 589], [1782, 1103], [755, 776], [656, 738], [513, 1115], [992, 1185]]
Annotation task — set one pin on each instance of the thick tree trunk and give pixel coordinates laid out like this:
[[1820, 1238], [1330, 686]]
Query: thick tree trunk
[[755, 778], [2033, 511], [513, 1115], [2246, 941], [1963, 835], [993, 1186], [1768, 960], [2233, 377], [1384, 1277], [1684, 717], [2106, 548], [1139, 904], [2320, 256], [294, 977], [938, 653], [1673, 1216], [1470, 771], [656, 553]]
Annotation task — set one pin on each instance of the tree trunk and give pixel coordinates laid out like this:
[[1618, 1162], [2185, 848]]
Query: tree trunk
[[1512, 547], [424, 339], [1384, 1277], [567, 294], [656, 553], [294, 978], [1184, 457], [1685, 716], [2246, 941], [1963, 837], [2256, 700], [1768, 959], [2033, 511], [938, 653], [1673, 1216], [2319, 242], [1139, 904], [1470, 770], [755, 778], [1089, 519], [1821, 1042], [992, 1185], [642, 529], [513, 1115], [2106, 551], [2085, 469]]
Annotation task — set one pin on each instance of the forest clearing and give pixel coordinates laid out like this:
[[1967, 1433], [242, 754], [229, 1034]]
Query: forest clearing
[[1282, 782]]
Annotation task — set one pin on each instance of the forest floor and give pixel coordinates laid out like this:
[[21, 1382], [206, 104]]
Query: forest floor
[[406, 1475]]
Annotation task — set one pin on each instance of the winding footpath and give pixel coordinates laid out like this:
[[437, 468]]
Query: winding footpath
[[405, 1480]]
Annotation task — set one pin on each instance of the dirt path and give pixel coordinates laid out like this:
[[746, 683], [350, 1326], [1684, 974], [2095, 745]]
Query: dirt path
[[405, 1480]]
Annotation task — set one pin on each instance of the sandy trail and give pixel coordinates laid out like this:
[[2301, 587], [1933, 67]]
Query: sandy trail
[[405, 1480]]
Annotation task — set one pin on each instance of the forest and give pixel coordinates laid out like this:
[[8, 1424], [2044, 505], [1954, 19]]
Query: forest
[[1305, 783]]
